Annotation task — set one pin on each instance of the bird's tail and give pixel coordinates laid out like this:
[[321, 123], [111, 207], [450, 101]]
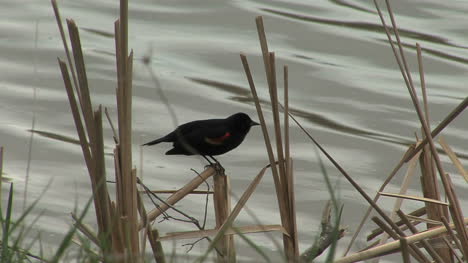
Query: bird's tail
[[163, 139]]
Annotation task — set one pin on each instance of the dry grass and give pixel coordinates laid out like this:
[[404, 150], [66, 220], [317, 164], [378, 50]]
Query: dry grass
[[431, 168], [124, 224]]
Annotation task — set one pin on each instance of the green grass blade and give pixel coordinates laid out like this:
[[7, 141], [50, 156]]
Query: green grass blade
[[6, 227]]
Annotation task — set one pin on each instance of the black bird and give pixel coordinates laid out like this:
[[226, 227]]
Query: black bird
[[208, 137]]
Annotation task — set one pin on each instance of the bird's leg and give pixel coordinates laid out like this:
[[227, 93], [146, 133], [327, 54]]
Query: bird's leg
[[209, 161], [218, 167]]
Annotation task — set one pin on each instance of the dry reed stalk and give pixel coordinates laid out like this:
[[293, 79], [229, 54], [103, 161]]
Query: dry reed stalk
[[349, 178], [451, 233], [446, 121], [405, 250], [452, 250], [455, 209], [128, 207], [234, 213], [423, 83], [229, 231], [86, 105], [194, 192], [181, 193], [289, 164], [98, 185], [376, 232], [429, 178], [425, 220], [413, 249], [424, 242], [394, 245], [147, 227], [403, 189], [65, 45], [222, 207], [114, 134], [156, 246], [117, 221], [85, 230], [277, 175], [453, 157], [280, 176], [416, 198], [376, 198]]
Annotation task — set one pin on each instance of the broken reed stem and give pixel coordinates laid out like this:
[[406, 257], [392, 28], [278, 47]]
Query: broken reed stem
[[289, 164], [424, 242], [65, 45], [376, 198], [453, 157], [194, 192], [450, 117], [394, 245], [405, 250], [350, 180], [415, 198], [230, 231], [413, 250], [177, 196], [452, 250], [403, 189], [114, 133], [156, 246], [234, 213], [266, 137], [86, 105], [222, 209], [86, 230], [76, 116], [455, 209], [451, 233], [266, 60], [423, 83], [128, 207], [415, 214], [280, 179]]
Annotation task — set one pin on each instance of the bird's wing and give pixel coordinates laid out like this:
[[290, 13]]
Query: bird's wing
[[212, 132]]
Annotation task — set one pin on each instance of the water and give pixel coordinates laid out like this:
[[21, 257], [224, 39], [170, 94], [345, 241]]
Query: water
[[345, 88]]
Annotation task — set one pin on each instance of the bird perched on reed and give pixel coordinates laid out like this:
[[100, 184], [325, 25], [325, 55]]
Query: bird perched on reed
[[208, 138]]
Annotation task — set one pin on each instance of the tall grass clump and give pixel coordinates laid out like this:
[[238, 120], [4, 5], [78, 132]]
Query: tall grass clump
[[429, 238]]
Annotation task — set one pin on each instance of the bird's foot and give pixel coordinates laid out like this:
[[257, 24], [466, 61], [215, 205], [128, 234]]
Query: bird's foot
[[218, 168]]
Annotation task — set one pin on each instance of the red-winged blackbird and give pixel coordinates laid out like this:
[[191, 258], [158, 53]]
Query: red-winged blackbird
[[208, 137]]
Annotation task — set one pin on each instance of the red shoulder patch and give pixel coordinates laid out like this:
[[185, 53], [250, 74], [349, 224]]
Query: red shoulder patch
[[218, 140]]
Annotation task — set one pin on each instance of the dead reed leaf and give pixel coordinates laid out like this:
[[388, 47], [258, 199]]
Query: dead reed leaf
[[230, 231], [416, 198], [453, 157]]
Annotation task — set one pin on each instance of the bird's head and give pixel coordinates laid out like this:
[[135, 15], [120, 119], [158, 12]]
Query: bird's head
[[242, 121]]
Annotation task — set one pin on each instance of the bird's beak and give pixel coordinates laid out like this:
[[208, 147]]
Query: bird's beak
[[252, 123]]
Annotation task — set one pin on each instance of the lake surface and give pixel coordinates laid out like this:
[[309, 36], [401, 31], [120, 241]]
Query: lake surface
[[345, 88]]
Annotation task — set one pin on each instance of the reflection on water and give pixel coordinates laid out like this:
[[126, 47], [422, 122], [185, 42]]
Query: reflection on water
[[344, 87]]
